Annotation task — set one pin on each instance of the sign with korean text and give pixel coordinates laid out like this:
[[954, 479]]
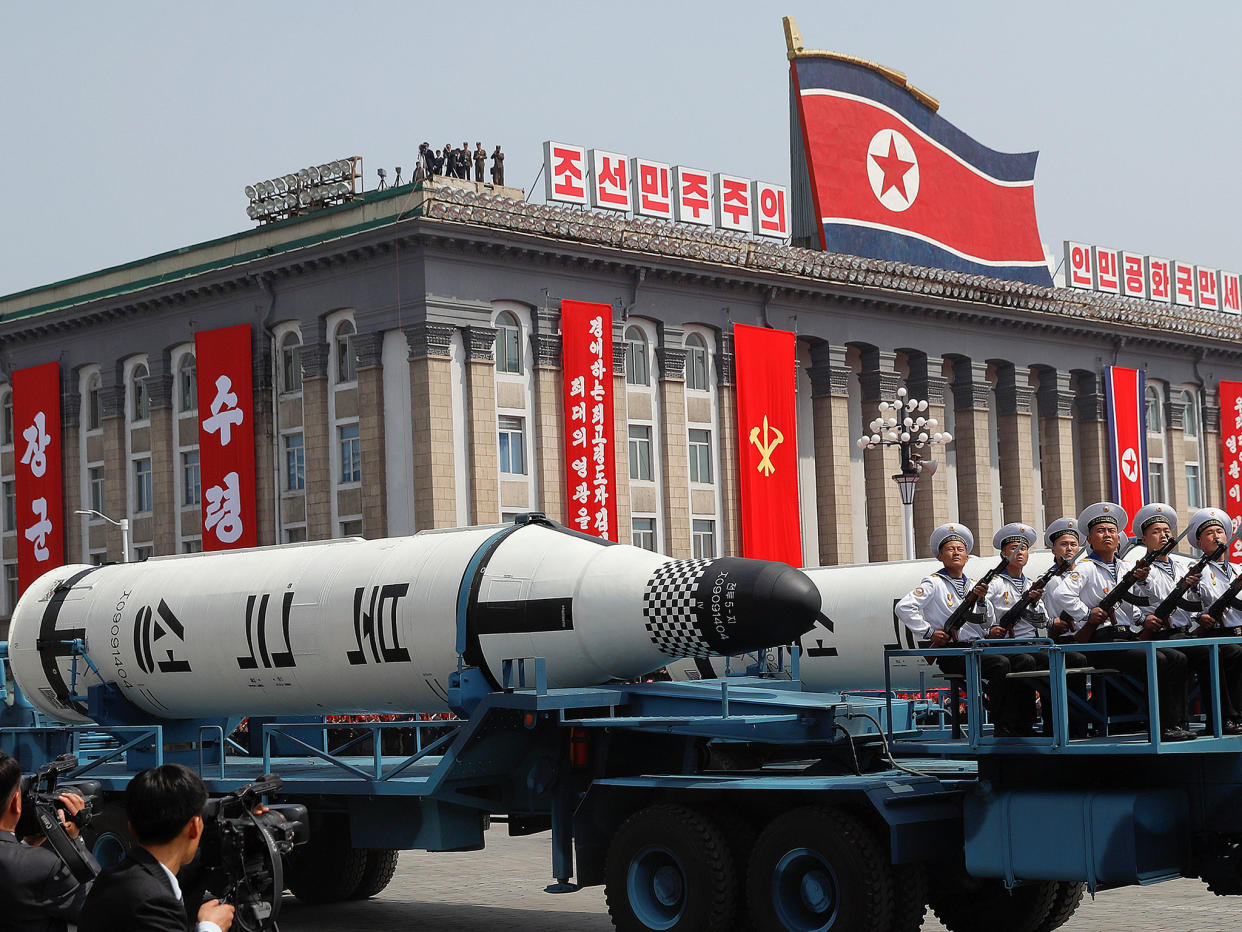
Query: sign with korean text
[[226, 438], [1127, 437], [590, 461], [37, 464], [1165, 281], [767, 444], [1231, 457]]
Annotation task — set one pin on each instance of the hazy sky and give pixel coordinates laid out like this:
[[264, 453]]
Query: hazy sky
[[131, 128]]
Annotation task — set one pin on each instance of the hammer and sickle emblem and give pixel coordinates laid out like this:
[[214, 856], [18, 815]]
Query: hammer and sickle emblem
[[768, 444]]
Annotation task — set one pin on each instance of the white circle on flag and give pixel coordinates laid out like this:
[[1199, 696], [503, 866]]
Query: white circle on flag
[[893, 170], [1129, 464]]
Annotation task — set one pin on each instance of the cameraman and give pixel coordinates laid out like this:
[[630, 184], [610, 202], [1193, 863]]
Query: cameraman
[[37, 891], [141, 894]]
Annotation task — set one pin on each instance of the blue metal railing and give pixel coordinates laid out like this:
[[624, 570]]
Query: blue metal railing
[[377, 772]]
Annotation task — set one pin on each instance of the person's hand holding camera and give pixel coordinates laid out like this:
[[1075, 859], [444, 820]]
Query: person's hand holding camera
[[219, 913], [71, 803]]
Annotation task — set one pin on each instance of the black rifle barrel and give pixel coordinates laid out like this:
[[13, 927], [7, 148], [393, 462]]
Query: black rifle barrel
[[1126, 583], [1015, 612], [1170, 602], [954, 622]]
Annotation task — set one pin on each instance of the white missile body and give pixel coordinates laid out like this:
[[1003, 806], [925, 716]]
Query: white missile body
[[355, 625]]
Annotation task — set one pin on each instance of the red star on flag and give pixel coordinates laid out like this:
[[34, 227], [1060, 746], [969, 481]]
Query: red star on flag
[[894, 168]]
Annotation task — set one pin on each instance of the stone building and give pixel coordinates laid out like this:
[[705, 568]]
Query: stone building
[[406, 372]]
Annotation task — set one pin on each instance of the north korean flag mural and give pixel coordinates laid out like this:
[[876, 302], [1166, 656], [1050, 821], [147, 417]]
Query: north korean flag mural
[[1127, 437], [37, 449], [891, 179], [767, 444]]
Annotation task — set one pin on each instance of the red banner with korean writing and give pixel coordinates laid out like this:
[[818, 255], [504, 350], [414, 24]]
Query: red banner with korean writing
[[226, 438], [37, 463], [1231, 457], [590, 461], [767, 444]]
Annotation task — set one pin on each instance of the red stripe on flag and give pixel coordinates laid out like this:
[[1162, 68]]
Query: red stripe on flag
[[37, 465], [767, 444]]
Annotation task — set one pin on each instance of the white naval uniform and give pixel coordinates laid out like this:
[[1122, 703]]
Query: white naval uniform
[[1087, 583], [1004, 592], [1212, 585], [928, 606], [1161, 578]]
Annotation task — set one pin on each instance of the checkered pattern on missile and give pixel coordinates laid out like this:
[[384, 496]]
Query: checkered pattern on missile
[[670, 609]]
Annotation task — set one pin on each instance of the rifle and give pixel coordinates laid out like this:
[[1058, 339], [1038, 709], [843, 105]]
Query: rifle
[[1126, 583], [954, 622], [1010, 619], [1217, 609], [1172, 601]]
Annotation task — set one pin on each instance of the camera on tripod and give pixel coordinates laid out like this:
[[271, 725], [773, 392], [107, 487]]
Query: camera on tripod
[[41, 792]]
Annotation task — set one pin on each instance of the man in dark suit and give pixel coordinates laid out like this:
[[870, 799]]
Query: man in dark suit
[[141, 894], [37, 891]]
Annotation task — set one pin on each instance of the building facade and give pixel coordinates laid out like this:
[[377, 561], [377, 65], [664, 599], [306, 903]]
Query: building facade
[[406, 365]]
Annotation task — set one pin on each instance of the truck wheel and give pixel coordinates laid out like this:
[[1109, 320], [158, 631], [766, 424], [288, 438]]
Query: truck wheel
[[909, 897], [668, 868], [107, 836], [817, 869], [968, 904], [381, 865], [325, 873], [740, 835], [1064, 903]]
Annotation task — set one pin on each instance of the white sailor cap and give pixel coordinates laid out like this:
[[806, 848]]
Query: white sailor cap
[[1061, 527], [1205, 518], [1011, 532], [948, 532], [1102, 513], [1152, 513]]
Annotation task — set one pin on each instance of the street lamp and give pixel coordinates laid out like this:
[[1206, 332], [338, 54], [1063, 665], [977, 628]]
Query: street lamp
[[902, 423], [123, 524]]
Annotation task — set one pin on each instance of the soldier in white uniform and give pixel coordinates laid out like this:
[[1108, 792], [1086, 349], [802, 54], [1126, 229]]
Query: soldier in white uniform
[[933, 601], [1091, 579], [1065, 541]]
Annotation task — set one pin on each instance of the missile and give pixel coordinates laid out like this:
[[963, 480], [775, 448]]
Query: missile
[[379, 625]]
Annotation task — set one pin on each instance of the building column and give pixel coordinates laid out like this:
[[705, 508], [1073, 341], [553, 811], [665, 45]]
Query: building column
[[971, 440], [163, 459], [674, 446], [431, 413], [1013, 434], [1175, 454], [931, 498], [369, 348], [830, 411], [266, 456], [483, 445], [880, 381], [621, 437], [116, 462], [1055, 402], [317, 439], [71, 465], [548, 418], [726, 403], [1093, 440], [1213, 488]]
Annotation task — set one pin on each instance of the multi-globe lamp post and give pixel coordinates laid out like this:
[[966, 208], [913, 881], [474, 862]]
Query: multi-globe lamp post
[[903, 423]]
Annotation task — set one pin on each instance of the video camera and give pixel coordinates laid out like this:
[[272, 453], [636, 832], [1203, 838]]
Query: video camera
[[41, 793], [241, 856]]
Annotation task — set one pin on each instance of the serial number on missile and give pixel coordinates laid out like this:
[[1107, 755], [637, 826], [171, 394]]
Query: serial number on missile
[[721, 605]]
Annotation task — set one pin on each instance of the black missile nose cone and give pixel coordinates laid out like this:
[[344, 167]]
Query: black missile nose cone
[[789, 603], [748, 605]]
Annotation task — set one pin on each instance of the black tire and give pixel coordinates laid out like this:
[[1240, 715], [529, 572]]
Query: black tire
[[909, 898], [107, 836], [1068, 896], [740, 835], [819, 869], [381, 865], [669, 868], [967, 904], [326, 869]]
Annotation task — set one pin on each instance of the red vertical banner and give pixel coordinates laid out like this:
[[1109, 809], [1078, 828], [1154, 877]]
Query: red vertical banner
[[1127, 437], [37, 456], [590, 461], [767, 431], [1231, 456], [226, 438]]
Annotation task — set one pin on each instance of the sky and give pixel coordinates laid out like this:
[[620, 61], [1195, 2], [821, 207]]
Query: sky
[[131, 128]]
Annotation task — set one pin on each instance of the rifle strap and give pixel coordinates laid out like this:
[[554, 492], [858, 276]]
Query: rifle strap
[[1137, 600]]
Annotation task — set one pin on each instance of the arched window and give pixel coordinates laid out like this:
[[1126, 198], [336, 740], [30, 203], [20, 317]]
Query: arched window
[[142, 401], [187, 383], [346, 360], [94, 406], [1154, 416], [1190, 422], [508, 343], [6, 428], [696, 363], [290, 365], [637, 369]]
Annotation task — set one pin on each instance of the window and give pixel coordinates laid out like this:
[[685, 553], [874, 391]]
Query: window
[[6, 428], [95, 475], [643, 533], [1155, 481], [187, 383], [290, 364], [10, 585], [10, 504], [190, 479], [637, 371], [142, 484], [640, 452], [696, 363], [513, 445], [295, 535], [1192, 488], [143, 552], [351, 528], [508, 343], [142, 401], [1155, 423], [97, 557], [1190, 424], [700, 456], [94, 405], [295, 462], [192, 545], [346, 360], [703, 538], [351, 454]]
